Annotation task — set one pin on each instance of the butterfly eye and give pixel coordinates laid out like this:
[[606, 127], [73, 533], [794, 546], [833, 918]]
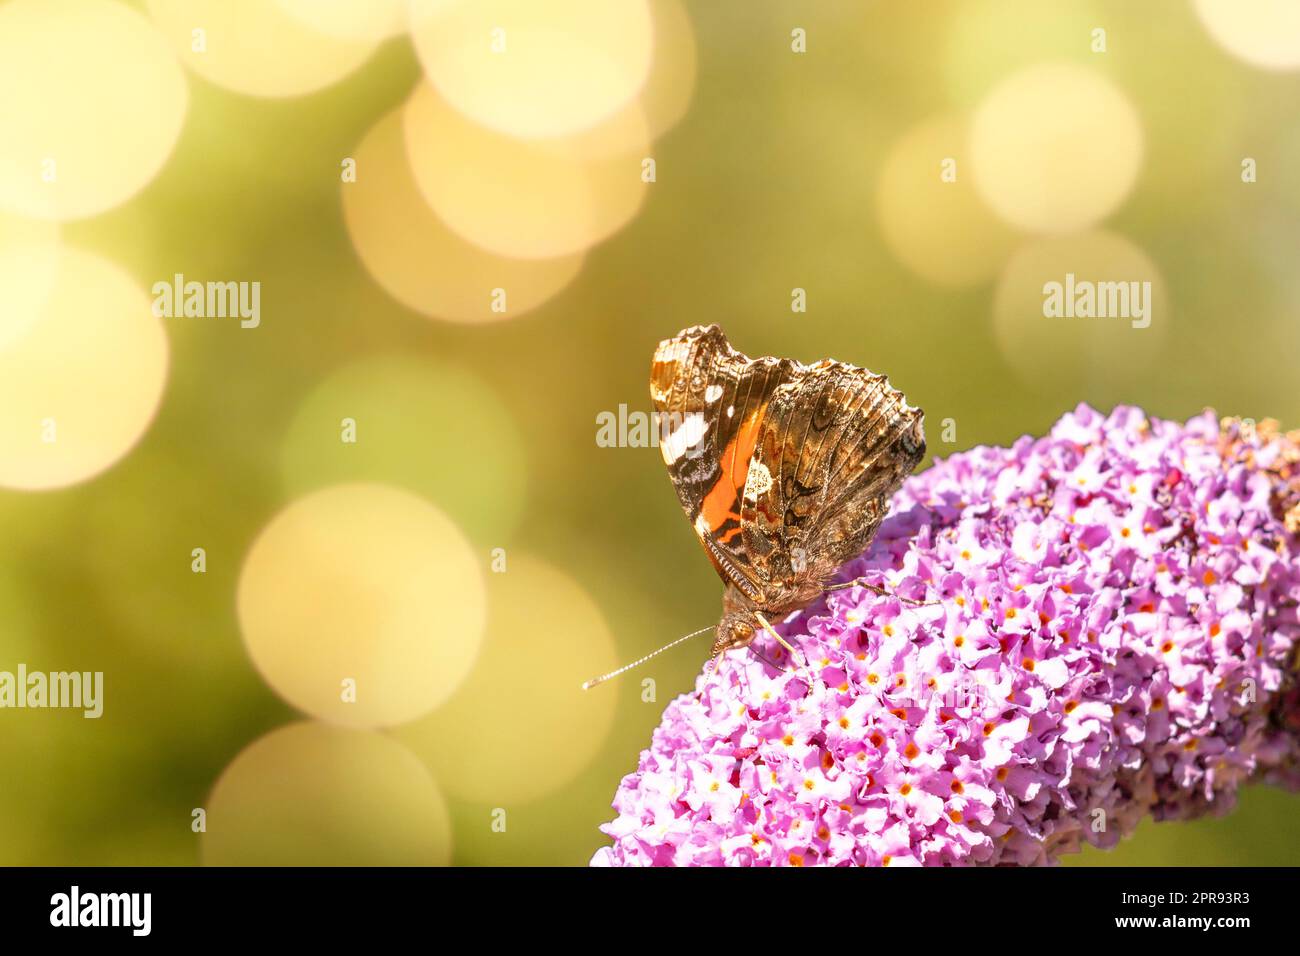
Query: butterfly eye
[[742, 634]]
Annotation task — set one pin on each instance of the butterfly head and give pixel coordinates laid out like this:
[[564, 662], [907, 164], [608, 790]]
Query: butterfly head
[[735, 630], [910, 447]]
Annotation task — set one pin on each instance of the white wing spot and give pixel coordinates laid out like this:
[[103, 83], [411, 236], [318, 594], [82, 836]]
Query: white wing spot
[[713, 393], [758, 481], [684, 437]]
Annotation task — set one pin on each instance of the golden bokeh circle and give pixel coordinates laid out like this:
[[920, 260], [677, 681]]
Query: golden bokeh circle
[[535, 70], [418, 260], [257, 47], [93, 104], [668, 89], [1079, 355], [534, 200], [29, 260], [362, 604], [663, 101], [1263, 33], [413, 418], [310, 794], [1055, 148], [984, 41], [930, 215], [350, 19], [81, 383], [534, 728]]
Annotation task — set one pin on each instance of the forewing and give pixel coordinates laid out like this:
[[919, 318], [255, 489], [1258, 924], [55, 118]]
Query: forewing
[[709, 401]]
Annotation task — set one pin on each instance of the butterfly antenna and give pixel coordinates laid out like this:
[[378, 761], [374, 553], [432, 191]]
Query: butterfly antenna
[[713, 665], [588, 685]]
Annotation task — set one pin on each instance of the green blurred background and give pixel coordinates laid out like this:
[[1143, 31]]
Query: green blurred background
[[784, 173]]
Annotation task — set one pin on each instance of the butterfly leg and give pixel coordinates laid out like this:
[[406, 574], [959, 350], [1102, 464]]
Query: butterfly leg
[[772, 631], [860, 582], [766, 660]]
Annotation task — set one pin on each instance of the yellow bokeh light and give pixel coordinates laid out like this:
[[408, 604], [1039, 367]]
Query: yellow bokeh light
[[534, 728], [662, 103], [79, 386], [668, 88], [1263, 33], [532, 69], [314, 795], [29, 258], [257, 47], [412, 419], [986, 40], [362, 604], [93, 103], [929, 213], [1090, 357], [1055, 148], [422, 263], [350, 19], [533, 200]]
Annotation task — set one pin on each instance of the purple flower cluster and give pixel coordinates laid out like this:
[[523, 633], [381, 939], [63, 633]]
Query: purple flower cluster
[[1080, 630]]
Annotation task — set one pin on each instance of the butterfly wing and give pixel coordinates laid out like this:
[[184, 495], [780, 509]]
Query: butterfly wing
[[710, 402], [836, 442]]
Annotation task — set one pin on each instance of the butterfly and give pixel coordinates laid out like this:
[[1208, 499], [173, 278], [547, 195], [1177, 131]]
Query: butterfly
[[785, 471]]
